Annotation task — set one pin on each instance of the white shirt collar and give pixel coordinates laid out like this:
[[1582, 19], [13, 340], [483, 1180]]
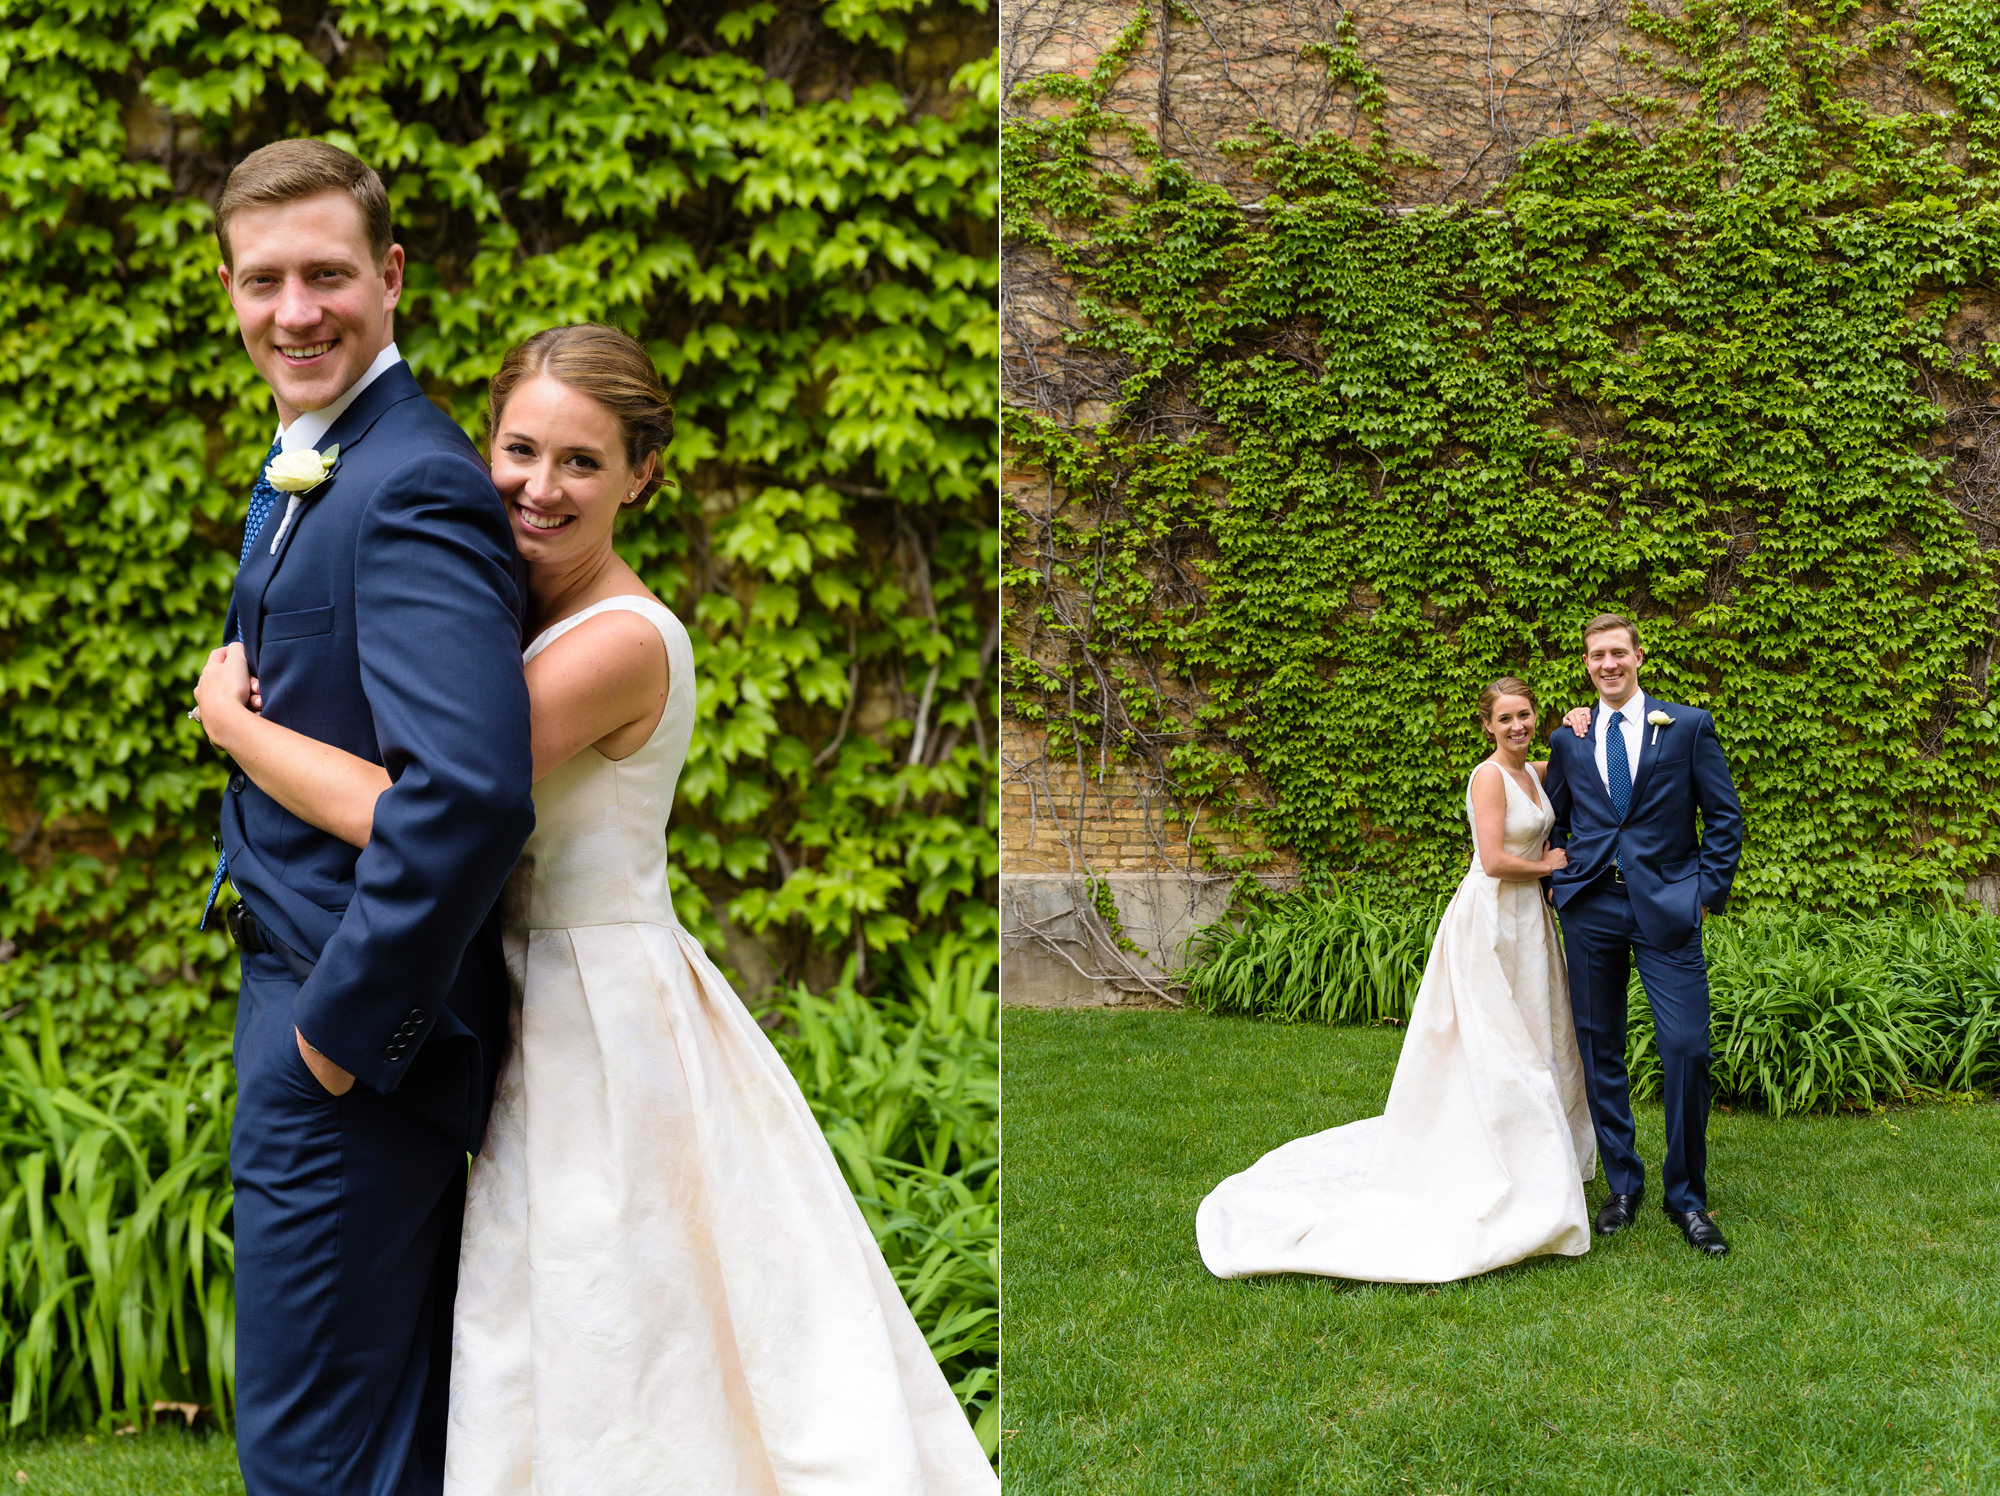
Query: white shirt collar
[[1634, 709], [313, 425]]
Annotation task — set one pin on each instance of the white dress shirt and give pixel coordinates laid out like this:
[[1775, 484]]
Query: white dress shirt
[[312, 425], [1632, 725]]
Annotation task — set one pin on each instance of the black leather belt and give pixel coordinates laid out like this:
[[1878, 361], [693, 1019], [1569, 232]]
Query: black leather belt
[[252, 934], [245, 929]]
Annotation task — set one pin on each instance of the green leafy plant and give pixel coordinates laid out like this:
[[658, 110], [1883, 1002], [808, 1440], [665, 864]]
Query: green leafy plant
[[1808, 1011], [115, 1260], [115, 1256], [805, 249], [1354, 957], [793, 210], [908, 1094]]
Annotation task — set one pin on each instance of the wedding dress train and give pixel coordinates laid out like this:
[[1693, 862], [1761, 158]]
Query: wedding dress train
[[1479, 1157], [665, 1285]]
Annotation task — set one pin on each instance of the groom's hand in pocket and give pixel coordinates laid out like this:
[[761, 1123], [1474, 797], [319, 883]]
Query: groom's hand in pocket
[[337, 1082]]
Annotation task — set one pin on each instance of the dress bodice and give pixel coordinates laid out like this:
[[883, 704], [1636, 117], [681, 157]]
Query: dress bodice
[[598, 855], [1529, 818]]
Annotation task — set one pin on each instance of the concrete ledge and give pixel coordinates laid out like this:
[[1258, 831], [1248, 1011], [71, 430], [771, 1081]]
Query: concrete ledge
[[1058, 951]]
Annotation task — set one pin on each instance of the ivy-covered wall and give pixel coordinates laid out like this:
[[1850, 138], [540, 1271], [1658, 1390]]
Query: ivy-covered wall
[[791, 203], [1338, 460]]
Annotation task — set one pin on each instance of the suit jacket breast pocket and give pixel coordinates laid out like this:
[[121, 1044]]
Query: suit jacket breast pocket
[[1675, 756], [301, 623]]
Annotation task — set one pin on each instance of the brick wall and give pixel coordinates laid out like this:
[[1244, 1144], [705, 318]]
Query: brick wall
[[1102, 817], [1469, 85]]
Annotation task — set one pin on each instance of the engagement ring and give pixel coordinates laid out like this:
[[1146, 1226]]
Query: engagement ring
[[194, 714]]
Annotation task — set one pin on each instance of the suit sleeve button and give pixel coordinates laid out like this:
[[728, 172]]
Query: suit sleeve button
[[237, 781]]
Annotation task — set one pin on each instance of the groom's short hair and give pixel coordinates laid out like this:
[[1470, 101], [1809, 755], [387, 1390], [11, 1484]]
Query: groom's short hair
[[1604, 623], [286, 171]]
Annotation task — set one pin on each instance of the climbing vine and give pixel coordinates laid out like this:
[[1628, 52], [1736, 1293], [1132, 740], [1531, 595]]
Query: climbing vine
[[792, 204], [1305, 472]]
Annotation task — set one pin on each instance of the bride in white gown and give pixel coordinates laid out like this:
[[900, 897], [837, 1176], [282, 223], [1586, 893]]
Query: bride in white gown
[[1480, 1155], [664, 1283]]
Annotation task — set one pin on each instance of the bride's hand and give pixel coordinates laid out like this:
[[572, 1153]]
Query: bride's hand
[[1554, 858], [1578, 721], [225, 691]]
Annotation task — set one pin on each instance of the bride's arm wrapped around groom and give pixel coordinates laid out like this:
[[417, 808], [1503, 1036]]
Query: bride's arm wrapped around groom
[[385, 624]]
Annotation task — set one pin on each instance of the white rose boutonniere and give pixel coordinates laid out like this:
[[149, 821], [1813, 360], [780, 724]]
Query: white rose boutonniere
[[1659, 720], [301, 470]]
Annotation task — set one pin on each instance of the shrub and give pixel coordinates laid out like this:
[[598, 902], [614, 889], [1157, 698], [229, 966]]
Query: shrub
[[1349, 957], [908, 1094], [1808, 1011], [115, 1259], [1812, 1011], [115, 1255]]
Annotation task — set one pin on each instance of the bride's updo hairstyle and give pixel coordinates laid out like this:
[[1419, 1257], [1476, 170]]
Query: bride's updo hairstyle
[[608, 367], [1506, 685]]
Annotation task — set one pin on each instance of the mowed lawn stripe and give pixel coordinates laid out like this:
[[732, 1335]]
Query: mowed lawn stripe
[[1845, 1345]]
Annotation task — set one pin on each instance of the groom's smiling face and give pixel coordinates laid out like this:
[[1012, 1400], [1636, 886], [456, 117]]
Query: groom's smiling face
[[1612, 658], [314, 305]]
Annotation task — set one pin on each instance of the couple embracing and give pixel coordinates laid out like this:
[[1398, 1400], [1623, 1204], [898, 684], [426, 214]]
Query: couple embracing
[[1512, 1081], [456, 936]]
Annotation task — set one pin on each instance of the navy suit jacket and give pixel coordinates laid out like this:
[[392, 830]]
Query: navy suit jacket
[[1670, 873], [388, 624]]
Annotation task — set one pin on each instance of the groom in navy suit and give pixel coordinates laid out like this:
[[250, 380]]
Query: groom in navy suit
[[378, 604], [1638, 885]]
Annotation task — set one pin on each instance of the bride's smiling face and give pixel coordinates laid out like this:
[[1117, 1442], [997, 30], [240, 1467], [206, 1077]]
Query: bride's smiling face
[[1513, 723], [559, 461]]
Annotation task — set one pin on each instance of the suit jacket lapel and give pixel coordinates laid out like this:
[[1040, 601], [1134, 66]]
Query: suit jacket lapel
[[1588, 747], [391, 388]]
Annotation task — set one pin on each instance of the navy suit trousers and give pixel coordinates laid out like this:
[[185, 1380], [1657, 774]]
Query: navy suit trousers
[[1602, 940], [347, 1225]]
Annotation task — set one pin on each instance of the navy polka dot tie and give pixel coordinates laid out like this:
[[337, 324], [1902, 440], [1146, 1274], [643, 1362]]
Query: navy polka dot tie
[[263, 498], [1618, 769]]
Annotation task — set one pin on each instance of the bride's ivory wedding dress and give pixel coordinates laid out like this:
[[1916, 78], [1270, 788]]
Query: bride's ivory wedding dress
[[1479, 1158], [665, 1285]]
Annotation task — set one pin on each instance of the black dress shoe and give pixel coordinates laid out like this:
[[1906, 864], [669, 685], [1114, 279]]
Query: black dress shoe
[[1617, 1212], [1702, 1234]]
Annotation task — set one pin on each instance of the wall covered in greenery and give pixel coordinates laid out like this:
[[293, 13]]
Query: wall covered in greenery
[[792, 204], [793, 208], [1354, 458]]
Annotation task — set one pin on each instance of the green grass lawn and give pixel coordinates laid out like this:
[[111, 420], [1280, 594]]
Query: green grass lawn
[[165, 1461], [1850, 1342]]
